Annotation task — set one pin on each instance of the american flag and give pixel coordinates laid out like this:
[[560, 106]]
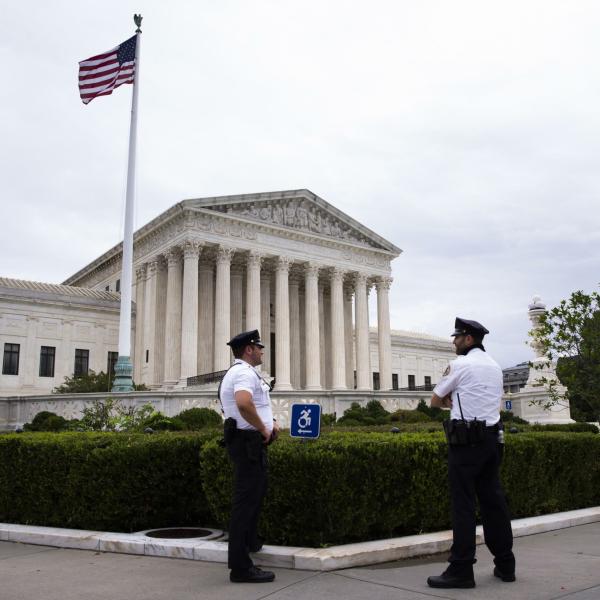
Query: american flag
[[101, 74]]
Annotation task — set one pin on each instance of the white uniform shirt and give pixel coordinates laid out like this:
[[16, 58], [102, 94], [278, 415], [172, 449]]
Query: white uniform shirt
[[477, 378], [242, 376]]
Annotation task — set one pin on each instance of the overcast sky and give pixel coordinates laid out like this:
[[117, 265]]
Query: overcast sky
[[466, 133]]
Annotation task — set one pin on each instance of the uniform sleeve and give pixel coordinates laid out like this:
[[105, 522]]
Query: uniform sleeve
[[245, 381], [448, 382]]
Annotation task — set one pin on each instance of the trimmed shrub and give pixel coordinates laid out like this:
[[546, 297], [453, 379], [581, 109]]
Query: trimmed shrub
[[103, 481], [508, 417], [159, 422], [47, 421], [360, 487], [372, 414], [194, 419], [409, 416], [354, 485], [570, 427]]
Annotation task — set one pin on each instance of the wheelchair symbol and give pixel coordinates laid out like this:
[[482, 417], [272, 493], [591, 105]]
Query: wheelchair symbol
[[305, 418]]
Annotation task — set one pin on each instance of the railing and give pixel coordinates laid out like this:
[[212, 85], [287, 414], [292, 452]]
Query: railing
[[214, 377]]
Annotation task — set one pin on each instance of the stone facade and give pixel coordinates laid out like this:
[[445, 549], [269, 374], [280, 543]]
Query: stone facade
[[57, 320], [287, 263]]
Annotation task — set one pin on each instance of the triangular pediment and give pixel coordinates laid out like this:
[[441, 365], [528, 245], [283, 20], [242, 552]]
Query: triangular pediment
[[300, 210]]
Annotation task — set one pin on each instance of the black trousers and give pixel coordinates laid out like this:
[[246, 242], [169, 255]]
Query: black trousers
[[474, 471], [249, 457]]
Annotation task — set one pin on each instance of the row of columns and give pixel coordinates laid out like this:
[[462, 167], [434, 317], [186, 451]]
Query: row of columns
[[202, 307]]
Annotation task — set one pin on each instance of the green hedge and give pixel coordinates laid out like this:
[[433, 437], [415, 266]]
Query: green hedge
[[351, 487], [347, 486], [103, 481]]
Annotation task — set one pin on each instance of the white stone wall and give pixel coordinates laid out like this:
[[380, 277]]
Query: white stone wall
[[16, 411], [415, 354], [65, 325]]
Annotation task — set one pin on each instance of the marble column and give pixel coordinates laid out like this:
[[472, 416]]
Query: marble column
[[159, 316], [189, 310], [302, 309], [236, 295], [222, 352], [265, 319], [253, 293], [349, 337], [173, 316], [149, 323], [322, 335], [140, 289], [364, 379], [338, 354], [385, 337], [206, 301], [282, 325], [312, 347], [327, 346], [294, 287]]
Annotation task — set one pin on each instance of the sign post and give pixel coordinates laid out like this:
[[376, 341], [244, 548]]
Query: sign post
[[305, 421]]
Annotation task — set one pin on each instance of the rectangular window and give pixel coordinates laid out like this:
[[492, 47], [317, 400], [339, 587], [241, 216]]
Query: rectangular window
[[118, 285], [47, 355], [394, 381], [111, 362], [428, 382], [10, 364], [376, 384], [147, 355], [411, 382], [82, 362]]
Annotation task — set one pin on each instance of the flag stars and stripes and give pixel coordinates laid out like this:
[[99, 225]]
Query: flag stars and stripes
[[99, 75]]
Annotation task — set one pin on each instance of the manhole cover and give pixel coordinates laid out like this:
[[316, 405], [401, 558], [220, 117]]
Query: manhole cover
[[177, 533]]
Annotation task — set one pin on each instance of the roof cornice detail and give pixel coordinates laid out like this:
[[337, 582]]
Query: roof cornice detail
[[179, 219]]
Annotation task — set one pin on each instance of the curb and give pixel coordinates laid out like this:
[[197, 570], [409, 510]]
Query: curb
[[289, 557]]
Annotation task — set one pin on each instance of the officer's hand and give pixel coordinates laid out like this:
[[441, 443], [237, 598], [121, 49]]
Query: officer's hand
[[275, 432], [266, 434]]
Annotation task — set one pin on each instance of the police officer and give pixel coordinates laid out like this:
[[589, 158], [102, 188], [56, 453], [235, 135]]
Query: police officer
[[472, 387], [249, 428]]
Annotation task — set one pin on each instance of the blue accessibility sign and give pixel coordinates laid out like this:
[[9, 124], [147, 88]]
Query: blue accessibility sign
[[305, 420], [508, 404]]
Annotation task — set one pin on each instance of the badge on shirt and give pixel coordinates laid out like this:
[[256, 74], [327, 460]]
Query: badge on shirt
[[447, 371]]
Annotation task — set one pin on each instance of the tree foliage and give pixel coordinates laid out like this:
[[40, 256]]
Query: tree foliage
[[89, 383], [570, 335]]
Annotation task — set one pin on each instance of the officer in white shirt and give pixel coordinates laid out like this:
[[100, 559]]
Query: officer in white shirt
[[249, 428], [472, 388]]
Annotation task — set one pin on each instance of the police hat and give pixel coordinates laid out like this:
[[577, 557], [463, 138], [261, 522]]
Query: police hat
[[245, 338], [466, 327]]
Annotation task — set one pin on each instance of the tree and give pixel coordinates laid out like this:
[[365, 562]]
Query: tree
[[570, 336], [90, 382]]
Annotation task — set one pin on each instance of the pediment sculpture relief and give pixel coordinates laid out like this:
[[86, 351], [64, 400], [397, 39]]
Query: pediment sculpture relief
[[297, 214]]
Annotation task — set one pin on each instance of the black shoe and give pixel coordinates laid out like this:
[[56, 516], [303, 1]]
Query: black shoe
[[252, 575], [446, 580], [504, 576]]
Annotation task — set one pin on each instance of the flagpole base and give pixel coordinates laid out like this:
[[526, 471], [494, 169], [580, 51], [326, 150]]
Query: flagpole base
[[123, 381]]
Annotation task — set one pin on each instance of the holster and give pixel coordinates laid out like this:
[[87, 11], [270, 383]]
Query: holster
[[229, 430], [464, 433]]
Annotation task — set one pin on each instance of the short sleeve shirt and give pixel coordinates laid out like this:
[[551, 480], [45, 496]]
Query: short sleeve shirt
[[477, 379], [242, 376]]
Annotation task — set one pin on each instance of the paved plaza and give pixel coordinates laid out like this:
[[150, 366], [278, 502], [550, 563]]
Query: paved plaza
[[557, 564]]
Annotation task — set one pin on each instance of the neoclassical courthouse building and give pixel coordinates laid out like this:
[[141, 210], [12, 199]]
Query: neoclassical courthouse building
[[287, 263]]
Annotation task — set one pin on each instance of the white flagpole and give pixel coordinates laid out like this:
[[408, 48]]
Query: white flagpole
[[123, 381]]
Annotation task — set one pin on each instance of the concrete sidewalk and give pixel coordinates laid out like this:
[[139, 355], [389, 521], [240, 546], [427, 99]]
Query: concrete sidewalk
[[557, 564]]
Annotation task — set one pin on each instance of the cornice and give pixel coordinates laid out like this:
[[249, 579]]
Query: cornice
[[182, 220]]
